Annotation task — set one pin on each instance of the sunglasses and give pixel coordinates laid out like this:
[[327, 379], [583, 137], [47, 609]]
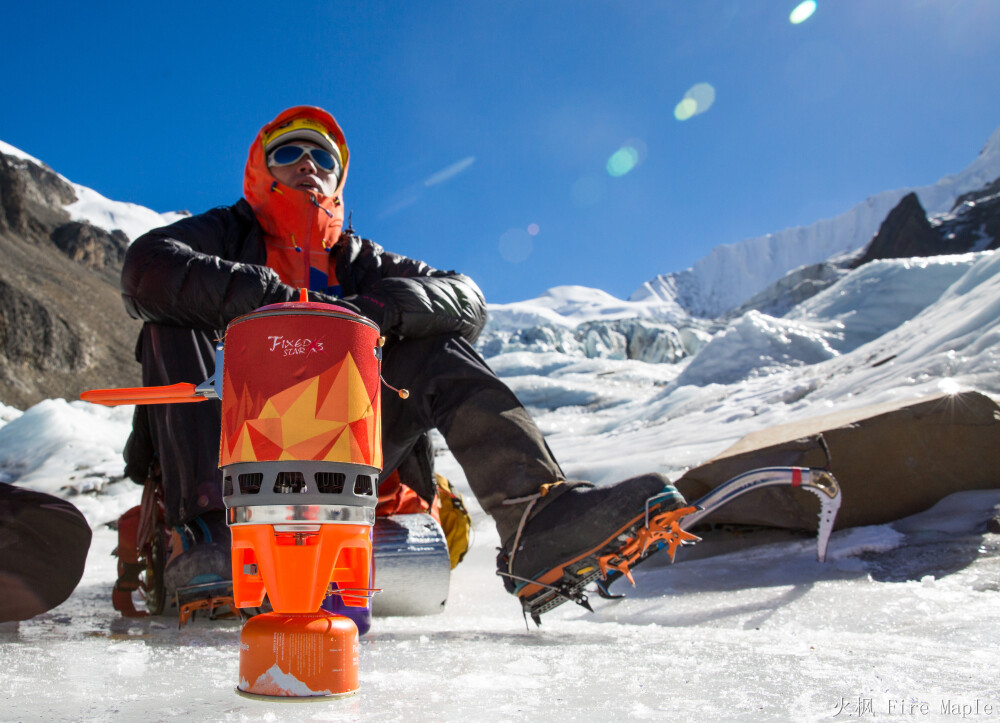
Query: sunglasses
[[288, 154]]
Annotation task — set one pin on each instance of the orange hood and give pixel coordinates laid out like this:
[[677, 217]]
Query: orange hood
[[299, 226]]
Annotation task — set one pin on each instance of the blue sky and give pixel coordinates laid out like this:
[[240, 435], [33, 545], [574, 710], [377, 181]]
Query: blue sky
[[481, 133]]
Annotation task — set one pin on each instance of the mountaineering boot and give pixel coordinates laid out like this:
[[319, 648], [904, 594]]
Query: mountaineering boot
[[198, 574], [587, 533]]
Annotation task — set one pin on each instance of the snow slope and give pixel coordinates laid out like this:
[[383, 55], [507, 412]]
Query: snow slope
[[901, 616], [731, 274], [132, 219]]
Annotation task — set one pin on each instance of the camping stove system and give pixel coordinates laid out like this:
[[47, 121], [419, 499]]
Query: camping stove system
[[300, 453]]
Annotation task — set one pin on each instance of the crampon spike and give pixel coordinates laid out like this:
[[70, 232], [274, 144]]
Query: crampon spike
[[215, 597], [607, 563], [186, 611], [662, 528]]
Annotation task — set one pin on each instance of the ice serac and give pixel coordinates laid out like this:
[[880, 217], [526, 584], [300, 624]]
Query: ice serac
[[731, 274], [793, 288], [592, 323], [757, 345], [861, 306]]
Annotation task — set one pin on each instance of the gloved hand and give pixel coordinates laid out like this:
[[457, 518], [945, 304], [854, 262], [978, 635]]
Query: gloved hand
[[383, 313], [358, 263]]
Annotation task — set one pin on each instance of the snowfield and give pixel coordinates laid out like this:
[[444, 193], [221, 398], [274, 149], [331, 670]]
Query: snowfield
[[902, 621]]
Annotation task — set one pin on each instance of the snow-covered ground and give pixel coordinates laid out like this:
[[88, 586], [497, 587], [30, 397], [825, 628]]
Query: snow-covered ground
[[902, 621]]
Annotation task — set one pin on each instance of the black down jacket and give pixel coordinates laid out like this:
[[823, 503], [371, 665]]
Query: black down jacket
[[204, 271]]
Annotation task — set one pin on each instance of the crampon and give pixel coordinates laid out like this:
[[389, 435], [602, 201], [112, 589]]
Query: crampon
[[615, 557], [214, 597], [657, 530]]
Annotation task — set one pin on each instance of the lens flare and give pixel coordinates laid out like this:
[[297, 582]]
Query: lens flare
[[697, 100], [802, 12], [640, 147], [703, 94], [516, 245], [622, 161], [533, 229], [685, 109], [949, 386]]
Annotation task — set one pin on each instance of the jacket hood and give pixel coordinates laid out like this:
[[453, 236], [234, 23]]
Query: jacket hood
[[299, 226]]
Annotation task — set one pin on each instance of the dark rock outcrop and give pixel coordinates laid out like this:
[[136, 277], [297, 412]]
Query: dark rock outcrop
[[905, 233], [35, 336], [12, 217], [973, 224], [972, 198], [91, 246], [31, 196], [974, 220], [63, 328]]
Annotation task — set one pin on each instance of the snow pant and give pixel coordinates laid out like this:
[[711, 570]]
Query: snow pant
[[452, 389], [43, 549]]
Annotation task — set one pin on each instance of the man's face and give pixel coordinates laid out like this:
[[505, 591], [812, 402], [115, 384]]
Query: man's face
[[305, 174]]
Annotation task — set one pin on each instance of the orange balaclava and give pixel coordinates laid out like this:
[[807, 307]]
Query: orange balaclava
[[299, 226]]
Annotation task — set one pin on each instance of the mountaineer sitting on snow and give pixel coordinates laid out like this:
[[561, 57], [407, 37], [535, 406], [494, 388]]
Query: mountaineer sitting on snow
[[187, 281]]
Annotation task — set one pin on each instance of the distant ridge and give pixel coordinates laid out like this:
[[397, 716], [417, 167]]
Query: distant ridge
[[731, 274]]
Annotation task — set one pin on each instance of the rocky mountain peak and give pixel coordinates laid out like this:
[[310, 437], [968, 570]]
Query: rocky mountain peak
[[905, 232], [63, 328]]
